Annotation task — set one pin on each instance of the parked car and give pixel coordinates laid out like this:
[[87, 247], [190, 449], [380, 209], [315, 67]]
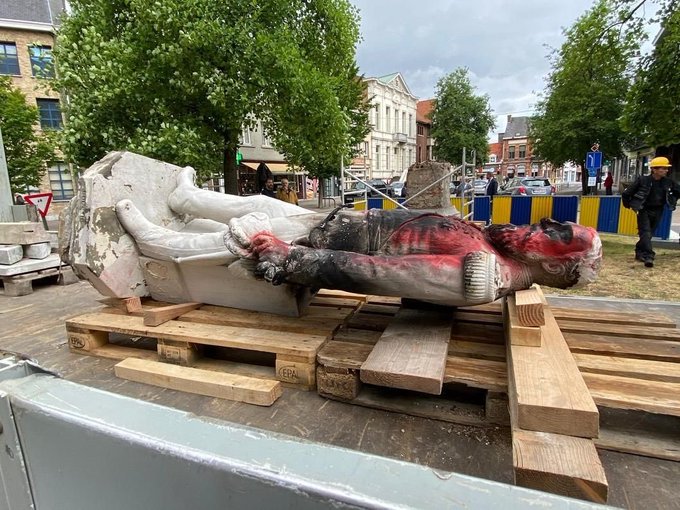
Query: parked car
[[479, 186], [456, 187], [397, 189], [356, 192], [527, 186]]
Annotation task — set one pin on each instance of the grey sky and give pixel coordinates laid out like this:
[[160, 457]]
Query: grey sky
[[504, 43]]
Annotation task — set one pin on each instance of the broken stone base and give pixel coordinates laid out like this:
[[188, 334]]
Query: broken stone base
[[232, 286], [10, 254], [435, 198], [95, 244]]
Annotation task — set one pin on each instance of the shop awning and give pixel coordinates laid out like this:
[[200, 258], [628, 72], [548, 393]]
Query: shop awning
[[276, 168]]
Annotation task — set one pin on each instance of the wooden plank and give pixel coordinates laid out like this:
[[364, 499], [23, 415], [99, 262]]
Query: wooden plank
[[337, 302], [565, 465], [658, 350], [202, 382], [341, 294], [411, 353], [516, 333], [294, 344], [609, 317], [529, 308], [629, 367], [625, 393], [157, 316], [547, 388], [132, 305], [618, 330], [644, 443], [478, 373], [380, 309]]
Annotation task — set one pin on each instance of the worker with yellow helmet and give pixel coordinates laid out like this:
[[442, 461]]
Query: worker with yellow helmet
[[647, 196]]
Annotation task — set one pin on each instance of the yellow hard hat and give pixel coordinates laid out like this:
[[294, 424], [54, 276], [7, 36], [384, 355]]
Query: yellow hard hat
[[659, 162]]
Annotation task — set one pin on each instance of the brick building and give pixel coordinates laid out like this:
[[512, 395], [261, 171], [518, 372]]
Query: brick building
[[27, 35], [423, 127], [517, 158]]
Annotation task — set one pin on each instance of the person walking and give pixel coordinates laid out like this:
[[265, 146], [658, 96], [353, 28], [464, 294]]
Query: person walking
[[608, 183], [268, 189], [286, 194], [647, 196]]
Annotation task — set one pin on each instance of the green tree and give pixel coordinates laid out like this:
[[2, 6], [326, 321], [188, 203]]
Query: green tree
[[178, 79], [652, 114], [587, 87], [28, 151], [460, 118]]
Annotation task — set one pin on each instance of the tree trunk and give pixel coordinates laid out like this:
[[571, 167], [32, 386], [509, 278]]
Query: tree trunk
[[320, 190], [229, 171]]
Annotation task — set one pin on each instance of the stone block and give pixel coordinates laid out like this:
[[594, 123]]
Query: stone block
[[23, 232], [10, 254], [16, 288], [38, 250], [420, 176]]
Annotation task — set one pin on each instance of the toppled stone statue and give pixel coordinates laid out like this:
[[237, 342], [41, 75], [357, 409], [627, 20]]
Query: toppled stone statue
[[162, 236]]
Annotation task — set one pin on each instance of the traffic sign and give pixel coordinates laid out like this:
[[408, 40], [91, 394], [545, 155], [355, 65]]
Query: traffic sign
[[41, 201], [593, 160]]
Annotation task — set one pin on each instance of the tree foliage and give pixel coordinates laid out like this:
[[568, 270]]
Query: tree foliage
[[28, 152], [178, 79], [587, 87], [652, 114], [460, 119]]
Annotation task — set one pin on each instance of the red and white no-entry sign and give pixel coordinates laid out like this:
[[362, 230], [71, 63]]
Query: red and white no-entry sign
[[41, 201]]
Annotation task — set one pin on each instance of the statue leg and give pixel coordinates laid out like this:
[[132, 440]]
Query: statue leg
[[201, 203]]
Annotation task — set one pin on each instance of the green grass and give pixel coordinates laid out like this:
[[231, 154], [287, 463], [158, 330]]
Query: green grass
[[622, 276]]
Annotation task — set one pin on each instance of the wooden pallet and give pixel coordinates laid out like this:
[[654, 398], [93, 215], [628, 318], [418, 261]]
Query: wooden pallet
[[22, 284], [626, 363], [474, 390], [211, 337]]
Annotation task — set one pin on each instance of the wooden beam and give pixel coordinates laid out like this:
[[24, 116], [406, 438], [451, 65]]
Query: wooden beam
[[411, 353], [132, 305], [529, 308], [202, 382], [157, 316], [569, 466], [547, 389], [516, 333]]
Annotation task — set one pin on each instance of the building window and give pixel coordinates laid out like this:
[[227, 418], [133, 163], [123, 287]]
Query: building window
[[421, 130], [245, 137], [266, 141], [387, 158], [61, 183], [387, 118], [492, 158], [377, 116], [410, 157], [50, 114], [41, 61], [511, 152], [9, 61], [396, 121], [522, 151], [410, 121], [521, 170], [377, 157]]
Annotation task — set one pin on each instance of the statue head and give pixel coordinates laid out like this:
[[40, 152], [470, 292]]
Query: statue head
[[558, 254]]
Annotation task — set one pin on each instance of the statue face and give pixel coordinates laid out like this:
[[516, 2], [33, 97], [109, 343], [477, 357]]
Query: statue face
[[566, 250]]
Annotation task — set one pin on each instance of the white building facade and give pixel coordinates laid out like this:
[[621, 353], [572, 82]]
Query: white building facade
[[390, 147]]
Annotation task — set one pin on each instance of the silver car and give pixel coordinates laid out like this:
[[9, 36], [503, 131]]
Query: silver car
[[527, 186]]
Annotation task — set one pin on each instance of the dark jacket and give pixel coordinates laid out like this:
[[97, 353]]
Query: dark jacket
[[492, 187], [635, 195]]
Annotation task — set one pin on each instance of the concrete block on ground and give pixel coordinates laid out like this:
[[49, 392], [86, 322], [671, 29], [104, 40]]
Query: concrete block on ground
[[16, 288], [10, 254], [38, 250], [24, 232], [67, 277]]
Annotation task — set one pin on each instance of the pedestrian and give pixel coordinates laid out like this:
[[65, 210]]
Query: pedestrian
[[268, 189], [608, 183], [286, 194], [19, 199], [647, 196], [491, 184]]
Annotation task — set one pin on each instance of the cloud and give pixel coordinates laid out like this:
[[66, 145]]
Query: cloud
[[503, 43]]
